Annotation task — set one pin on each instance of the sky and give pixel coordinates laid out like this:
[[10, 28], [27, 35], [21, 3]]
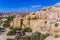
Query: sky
[[24, 5]]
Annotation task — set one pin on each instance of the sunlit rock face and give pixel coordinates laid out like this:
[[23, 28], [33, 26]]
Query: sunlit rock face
[[36, 20], [27, 17], [38, 15], [43, 14], [26, 23], [53, 16], [50, 14], [17, 22], [37, 25]]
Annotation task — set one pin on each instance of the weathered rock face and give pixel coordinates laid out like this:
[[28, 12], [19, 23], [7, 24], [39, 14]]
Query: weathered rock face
[[26, 23], [38, 15], [36, 20], [48, 25], [50, 14], [43, 14], [53, 16], [37, 25], [27, 17], [16, 23]]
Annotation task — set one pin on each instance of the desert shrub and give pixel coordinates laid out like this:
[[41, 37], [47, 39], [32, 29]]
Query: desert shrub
[[27, 30], [56, 36]]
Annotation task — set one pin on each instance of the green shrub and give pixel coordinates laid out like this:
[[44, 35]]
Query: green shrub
[[56, 36], [12, 32], [27, 30], [6, 24], [56, 25], [43, 36], [22, 38], [36, 36], [17, 38], [8, 39], [11, 28]]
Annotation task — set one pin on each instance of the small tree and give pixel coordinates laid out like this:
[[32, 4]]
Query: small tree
[[56, 25]]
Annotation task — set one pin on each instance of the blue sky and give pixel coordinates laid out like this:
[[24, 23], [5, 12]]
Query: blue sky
[[24, 5]]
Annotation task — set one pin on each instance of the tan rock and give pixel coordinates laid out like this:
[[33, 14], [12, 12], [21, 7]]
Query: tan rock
[[43, 14], [38, 15], [48, 25], [53, 16], [26, 23], [16, 22], [27, 17], [32, 17]]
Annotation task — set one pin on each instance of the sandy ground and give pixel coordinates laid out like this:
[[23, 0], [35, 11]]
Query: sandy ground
[[3, 36], [52, 38]]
